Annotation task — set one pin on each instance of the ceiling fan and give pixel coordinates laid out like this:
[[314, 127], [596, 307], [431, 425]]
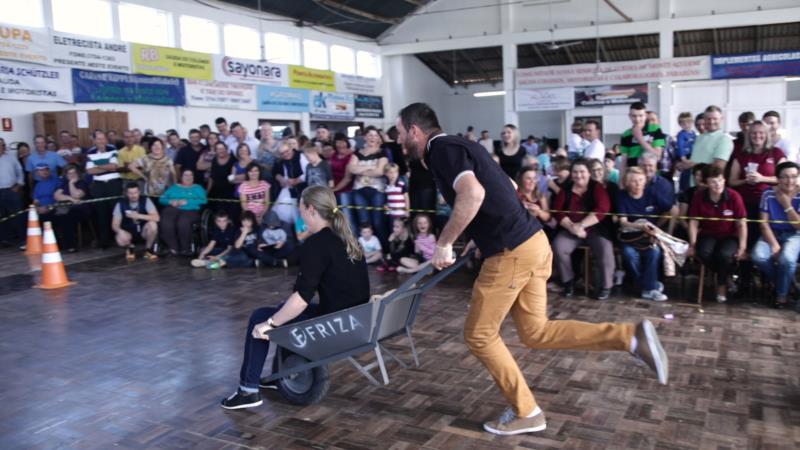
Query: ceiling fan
[[553, 45]]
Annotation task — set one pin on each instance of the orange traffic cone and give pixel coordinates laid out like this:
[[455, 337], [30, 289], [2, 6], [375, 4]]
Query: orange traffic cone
[[33, 244], [54, 275]]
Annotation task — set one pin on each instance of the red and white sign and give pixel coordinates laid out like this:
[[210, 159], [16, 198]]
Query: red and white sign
[[624, 72]]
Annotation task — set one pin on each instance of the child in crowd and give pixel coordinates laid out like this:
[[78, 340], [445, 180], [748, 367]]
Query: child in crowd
[[318, 171], [275, 245], [400, 245], [300, 229], [245, 248], [560, 174], [373, 252], [222, 239], [397, 200], [254, 192], [683, 146], [424, 246], [613, 172]]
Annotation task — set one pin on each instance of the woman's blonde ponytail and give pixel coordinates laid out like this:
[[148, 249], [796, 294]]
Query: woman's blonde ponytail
[[324, 201]]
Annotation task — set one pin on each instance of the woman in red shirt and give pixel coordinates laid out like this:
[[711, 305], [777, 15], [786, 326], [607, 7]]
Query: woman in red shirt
[[342, 179], [587, 202], [753, 172], [718, 243]]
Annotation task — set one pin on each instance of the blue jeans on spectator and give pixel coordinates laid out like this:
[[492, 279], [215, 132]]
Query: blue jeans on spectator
[[376, 217], [779, 270], [346, 199], [10, 203], [256, 350], [642, 265]]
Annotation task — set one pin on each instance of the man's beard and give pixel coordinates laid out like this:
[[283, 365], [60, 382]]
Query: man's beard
[[413, 149]]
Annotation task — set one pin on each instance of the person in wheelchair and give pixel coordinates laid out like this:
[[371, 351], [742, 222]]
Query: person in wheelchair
[[332, 264]]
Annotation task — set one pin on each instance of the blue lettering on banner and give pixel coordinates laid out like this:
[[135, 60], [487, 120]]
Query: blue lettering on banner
[[756, 65], [282, 99], [112, 87], [369, 106]]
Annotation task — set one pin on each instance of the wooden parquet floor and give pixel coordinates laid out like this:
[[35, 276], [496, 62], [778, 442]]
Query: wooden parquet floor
[[138, 356]]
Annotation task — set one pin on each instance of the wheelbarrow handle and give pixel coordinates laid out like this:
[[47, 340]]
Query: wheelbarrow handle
[[428, 269]]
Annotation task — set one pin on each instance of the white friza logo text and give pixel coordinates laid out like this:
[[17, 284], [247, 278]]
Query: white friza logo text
[[256, 71], [323, 330]]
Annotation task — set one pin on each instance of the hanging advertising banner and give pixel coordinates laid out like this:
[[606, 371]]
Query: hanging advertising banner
[[25, 44], [312, 79], [617, 94], [332, 105], [241, 70], [281, 99], [90, 53], [355, 84], [623, 72], [220, 94], [34, 83], [756, 65], [172, 62], [544, 99], [369, 106], [111, 87]]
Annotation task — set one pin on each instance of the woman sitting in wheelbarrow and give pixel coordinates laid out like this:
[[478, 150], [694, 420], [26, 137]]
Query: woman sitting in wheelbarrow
[[331, 264]]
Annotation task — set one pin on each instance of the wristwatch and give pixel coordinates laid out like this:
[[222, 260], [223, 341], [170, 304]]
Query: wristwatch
[[271, 323]]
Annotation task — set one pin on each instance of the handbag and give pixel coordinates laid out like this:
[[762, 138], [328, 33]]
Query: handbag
[[637, 239]]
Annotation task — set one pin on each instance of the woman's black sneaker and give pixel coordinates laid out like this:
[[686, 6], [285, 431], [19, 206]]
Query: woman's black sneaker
[[603, 294], [271, 385], [241, 400]]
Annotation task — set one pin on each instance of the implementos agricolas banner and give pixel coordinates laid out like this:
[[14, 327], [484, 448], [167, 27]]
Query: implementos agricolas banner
[[111, 87], [756, 65]]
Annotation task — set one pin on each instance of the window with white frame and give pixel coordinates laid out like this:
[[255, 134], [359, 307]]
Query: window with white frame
[[199, 35], [145, 25], [28, 13], [281, 49], [368, 64], [242, 42], [315, 54], [86, 17], [343, 59]]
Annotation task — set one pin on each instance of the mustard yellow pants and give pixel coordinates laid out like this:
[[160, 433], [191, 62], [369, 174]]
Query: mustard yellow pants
[[516, 281]]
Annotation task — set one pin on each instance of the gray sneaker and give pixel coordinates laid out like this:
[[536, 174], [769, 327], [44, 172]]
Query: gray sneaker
[[655, 295], [509, 424], [650, 351]]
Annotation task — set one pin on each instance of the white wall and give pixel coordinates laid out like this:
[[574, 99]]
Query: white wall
[[410, 81]]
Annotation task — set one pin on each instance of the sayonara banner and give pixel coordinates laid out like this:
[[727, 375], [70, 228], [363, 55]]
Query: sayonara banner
[[26, 44], [242, 70], [220, 94], [369, 106], [281, 99], [111, 87], [332, 105], [84, 52], [756, 65], [172, 62], [19, 81]]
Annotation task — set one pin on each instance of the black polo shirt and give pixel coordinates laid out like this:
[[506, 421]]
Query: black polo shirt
[[502, 221]]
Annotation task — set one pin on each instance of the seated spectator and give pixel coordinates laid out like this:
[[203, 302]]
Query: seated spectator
[[660, 190], [254, 192], [699, 174], [370, 244], [331, 264], [640, 256], [245, 249], [157, 170], [753, 172], [275, 245], [424, 246], [44, 191], [400, 246], [72, 191], [776, 252], [183, 202], [718, 243], [135, 221], [223, 236], [318, 171], [588, 203], [528, 191]]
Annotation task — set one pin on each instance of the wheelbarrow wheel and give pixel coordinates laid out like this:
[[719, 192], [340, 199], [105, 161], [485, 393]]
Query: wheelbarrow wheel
[[304, 388]]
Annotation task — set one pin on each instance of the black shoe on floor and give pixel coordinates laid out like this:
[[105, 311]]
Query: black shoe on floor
[[603, 294], [269, 385], [569, 289], [241, 400]]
